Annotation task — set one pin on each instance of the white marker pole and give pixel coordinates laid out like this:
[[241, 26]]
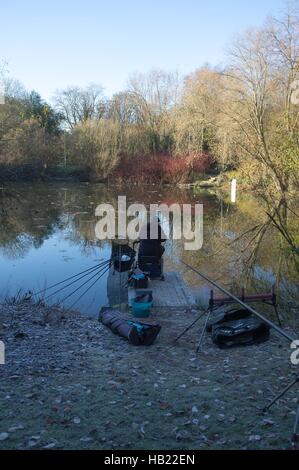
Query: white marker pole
[[234, 191], [2, 353]]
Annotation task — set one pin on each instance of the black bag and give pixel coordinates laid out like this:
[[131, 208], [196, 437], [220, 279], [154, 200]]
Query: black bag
[[123, 266], [242, 332], [137, 334], [138, 279], [217, 318], [118, 251]]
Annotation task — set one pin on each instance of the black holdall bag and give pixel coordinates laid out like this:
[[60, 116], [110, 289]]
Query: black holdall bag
[[222, 316], [136, 333], [236, 327], [242, 332]]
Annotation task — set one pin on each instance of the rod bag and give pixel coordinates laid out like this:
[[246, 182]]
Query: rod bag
[[225, 316], [242, 332], [136, 333]]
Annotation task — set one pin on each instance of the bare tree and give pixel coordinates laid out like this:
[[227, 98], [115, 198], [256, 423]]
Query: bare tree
[[97, 144], [2, 80], [197, 117], [159, 89], [3, 69], [251, 92], [284, 42], [263, 120], [155, 94], [14, 89], [80, 104], [126, 108]]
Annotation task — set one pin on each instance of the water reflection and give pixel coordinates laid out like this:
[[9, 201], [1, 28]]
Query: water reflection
[[47, 233]]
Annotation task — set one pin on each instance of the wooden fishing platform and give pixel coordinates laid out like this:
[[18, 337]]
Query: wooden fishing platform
[[172, 292]]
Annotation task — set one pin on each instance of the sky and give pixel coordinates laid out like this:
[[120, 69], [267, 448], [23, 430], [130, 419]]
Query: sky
[[52, 44]]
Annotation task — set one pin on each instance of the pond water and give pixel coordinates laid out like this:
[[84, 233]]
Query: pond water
[[47, 233]]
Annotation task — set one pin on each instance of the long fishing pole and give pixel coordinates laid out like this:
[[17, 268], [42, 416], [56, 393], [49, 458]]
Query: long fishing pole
[[72, 277], [84, 284], [239, 301], [90, 287], [77, 280]]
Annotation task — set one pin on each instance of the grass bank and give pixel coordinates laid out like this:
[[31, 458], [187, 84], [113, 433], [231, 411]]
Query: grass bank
[[69, 383]]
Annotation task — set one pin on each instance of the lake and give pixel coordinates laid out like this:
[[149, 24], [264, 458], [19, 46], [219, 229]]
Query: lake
[[47, 234]]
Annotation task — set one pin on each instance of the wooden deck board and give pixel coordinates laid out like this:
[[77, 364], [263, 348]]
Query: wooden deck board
[[172, 292]]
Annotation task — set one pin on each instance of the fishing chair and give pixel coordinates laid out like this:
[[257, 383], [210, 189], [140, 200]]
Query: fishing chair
[[150, 265]]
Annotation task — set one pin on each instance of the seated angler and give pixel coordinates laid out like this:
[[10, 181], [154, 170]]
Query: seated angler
[[151, 249]]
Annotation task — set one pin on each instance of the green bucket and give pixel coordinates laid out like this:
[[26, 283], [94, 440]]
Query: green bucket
[[141, 309]]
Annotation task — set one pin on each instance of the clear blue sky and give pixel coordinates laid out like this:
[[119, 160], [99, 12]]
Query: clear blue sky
[[50, 44]]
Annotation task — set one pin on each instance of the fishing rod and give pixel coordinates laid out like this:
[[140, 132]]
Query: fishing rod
[[88, 289], [240, 302], [77, 280], [87, 271], [86, 282]]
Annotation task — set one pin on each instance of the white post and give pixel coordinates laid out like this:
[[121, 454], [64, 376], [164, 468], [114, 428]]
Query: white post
[[2, 353], [234, 191]]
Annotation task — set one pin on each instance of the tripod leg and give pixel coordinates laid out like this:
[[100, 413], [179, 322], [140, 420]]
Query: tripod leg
[[191, 326], [277, 315], [296, 435], [280, 395], [203, 330]]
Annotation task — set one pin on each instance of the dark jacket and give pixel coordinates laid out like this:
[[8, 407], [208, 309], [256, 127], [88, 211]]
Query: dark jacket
[[150, 247]]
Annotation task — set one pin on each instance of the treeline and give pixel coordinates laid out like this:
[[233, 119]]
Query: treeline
[[132, 136], [163, 128]]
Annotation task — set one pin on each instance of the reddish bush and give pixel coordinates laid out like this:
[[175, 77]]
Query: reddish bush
[[162, 168], [141, 169], [187, 168]]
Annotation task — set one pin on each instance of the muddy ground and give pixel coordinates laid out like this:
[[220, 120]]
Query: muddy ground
[[69, 383]]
